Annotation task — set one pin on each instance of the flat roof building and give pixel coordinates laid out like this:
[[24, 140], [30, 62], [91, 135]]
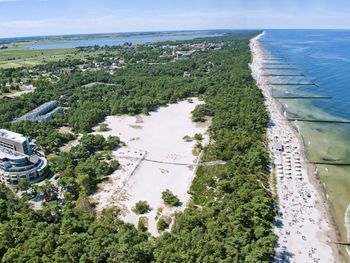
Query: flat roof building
[[14, 141], [278, 147], [42, 113], [17, 160]]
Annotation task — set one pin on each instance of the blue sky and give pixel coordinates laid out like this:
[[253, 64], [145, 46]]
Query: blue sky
[[49, 17]]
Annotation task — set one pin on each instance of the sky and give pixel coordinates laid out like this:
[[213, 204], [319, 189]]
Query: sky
[[55, 17]]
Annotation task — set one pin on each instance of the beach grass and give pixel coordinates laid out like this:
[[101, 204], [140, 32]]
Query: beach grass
[[201, 189]]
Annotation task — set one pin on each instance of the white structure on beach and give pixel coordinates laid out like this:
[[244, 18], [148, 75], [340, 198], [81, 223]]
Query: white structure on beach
[[17, 160]]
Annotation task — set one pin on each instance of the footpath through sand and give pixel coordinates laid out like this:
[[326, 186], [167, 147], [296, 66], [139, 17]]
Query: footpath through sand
[[157, 157]]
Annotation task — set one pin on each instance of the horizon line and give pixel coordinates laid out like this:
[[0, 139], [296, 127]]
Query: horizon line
[[165, 31]]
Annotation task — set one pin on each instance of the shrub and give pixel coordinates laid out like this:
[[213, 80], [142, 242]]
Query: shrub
[[163, 223], [143, 223], [113, 166], [187, 138], [103, 127], [141, 207], [170, 199], [198, 137]]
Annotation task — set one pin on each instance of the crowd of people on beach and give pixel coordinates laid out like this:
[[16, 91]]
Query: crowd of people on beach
[[301, 225], [297, 202]]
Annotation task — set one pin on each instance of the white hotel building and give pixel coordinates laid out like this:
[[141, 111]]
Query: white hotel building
[[17, 160]]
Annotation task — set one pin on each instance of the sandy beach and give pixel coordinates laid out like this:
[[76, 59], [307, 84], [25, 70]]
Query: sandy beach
[[303, 226], [156, 157]]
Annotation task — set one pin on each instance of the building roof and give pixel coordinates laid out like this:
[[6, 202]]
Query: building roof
[[10, 154], [34, 115], [13, 136], [277, 146]]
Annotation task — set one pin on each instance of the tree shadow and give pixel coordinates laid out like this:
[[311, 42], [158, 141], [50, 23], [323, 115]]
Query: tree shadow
[[270, 124], [283, 257], [278, 223]]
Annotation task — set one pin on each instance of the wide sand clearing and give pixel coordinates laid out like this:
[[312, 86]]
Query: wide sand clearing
[[156, 158]]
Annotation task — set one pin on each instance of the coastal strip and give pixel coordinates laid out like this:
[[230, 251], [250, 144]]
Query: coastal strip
[[303, 224]]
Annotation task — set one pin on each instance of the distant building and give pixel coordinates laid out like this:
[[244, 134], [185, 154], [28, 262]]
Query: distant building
[[17, 160], [5, 98], [15, 85], [94, 84], [186, 74], [183, 54], [84, 66], [42, 113], [67, 71]]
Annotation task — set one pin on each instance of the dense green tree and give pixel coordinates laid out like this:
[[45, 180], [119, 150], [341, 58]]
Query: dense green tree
[[230, 216]]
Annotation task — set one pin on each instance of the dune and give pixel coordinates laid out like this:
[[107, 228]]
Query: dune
[[156, 157]]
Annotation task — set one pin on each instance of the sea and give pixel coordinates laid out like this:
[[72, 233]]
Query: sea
[[309, 71]]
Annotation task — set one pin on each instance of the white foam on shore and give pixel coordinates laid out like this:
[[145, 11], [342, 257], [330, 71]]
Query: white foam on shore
[[347, 225], [156, 158], [303, 229]]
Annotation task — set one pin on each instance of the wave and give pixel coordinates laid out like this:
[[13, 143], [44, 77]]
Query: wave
[[347, 225]]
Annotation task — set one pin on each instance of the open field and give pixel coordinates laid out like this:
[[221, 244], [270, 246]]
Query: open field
[[16, 57], [21, 57]]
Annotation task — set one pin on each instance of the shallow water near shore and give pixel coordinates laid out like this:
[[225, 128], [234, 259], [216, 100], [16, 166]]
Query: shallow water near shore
[[318, 58]]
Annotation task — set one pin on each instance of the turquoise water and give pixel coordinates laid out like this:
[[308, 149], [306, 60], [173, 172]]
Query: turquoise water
[[323, 56], [117, 41], [313, 65], [322, 59]]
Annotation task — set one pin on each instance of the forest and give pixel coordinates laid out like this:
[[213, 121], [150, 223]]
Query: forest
[[229, 218]]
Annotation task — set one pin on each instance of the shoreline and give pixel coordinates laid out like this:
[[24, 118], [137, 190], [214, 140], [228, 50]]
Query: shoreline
[[320, 207]]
